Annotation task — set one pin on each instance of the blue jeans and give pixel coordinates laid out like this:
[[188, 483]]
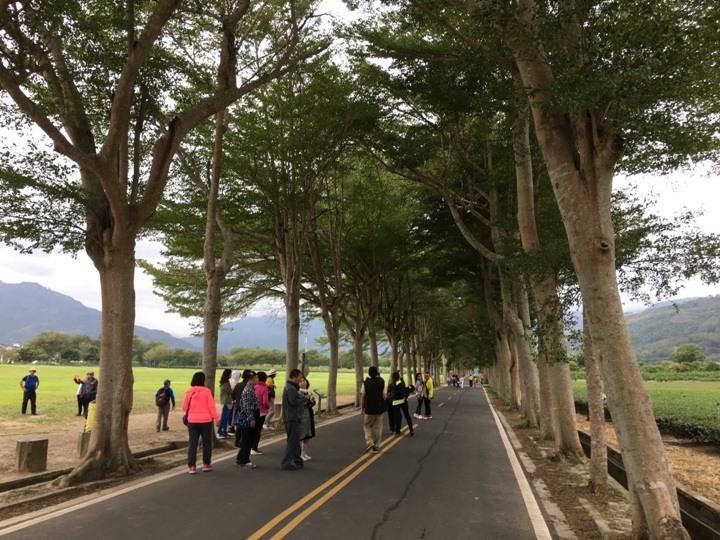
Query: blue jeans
[[196, 431], [224, 419]]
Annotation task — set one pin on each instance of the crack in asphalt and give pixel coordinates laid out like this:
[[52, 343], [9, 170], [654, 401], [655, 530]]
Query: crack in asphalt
[[392, 508]]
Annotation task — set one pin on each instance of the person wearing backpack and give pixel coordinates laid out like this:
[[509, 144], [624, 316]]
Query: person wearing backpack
[[163, 398]]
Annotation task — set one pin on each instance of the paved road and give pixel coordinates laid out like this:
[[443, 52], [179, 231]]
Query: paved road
[[455, 478]]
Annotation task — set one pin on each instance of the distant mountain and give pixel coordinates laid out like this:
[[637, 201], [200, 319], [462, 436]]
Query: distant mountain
[[263, 332], [26, 309], [658, 330]]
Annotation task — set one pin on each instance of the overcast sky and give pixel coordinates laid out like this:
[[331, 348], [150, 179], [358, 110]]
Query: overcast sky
[[79, 279]]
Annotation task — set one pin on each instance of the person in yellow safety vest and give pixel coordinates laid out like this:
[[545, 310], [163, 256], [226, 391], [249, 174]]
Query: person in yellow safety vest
[[428, 391]]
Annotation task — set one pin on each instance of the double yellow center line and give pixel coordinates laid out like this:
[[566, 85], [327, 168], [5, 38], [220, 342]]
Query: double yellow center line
[[333, 485]]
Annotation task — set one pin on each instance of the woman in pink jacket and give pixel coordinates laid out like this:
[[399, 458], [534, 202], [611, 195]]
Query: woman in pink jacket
[[201, 411]]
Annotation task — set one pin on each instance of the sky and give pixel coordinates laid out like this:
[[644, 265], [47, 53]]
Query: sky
[[78, 278]]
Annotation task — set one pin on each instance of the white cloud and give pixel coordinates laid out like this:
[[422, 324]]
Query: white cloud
[[78, 278]]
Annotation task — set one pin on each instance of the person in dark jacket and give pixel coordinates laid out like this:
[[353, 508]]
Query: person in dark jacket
[[292, 405], [397, 396], [371, 403]]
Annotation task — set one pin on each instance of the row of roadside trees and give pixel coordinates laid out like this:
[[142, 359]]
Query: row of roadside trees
[[450, 190]]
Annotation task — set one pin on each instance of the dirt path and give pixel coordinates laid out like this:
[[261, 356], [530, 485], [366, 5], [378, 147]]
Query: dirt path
[[63, 439]]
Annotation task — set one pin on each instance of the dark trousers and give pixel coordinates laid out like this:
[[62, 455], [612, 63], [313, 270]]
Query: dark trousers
[[29, 395], [81, 402], [393, 417], [427, 406], [258, 432], [398, 411], [292, 446], [419, 405], [247, 439], [86, 402], [196, 431]]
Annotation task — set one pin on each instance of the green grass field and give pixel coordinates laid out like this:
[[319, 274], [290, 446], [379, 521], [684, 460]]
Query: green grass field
[[56, 396], [688, 403]]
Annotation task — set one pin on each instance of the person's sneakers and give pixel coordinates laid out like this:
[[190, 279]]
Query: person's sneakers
[[427, 417], [412, 433], [256, 452], [416, 415], [166, 428], [290, 468], [192, 470], [207, 467], [368, 447], [305, 457], [375, 449], [158, 430], [247, 465]]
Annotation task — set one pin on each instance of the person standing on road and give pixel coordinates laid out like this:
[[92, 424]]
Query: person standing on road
[[237, 392], [225, 403], [261, 391], [291, 409], [419, 387], [399, 404], [163, 398], [29, 384], [308, 419], [272, 390], [371, 403], [428, 392], [90, 388], [199, 405], [247, 417]]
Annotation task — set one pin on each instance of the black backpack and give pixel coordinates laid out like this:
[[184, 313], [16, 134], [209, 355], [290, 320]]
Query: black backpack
[[161, 399]]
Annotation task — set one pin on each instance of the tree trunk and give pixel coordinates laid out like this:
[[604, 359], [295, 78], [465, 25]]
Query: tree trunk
[[596, 407], [108, 450], [292, 331], [359, 364], [372, 336], [583, 191]]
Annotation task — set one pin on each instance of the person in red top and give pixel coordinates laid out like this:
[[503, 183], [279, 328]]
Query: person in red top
[[199, 405], [261, 391]]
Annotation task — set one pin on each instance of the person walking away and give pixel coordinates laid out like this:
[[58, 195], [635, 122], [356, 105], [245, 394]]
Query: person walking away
[[163, 398], [292, 403], [399, 403], [247, 418], [307, 419], [225, 403], [371, 403], [272, 390], [428, 392], [200, 410], [29, 385], [90, 387], [419, 387], [261, 391], [234, 378]]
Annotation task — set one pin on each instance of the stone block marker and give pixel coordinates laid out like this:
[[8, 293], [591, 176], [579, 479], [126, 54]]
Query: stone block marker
[[83, 443], [31, 455]]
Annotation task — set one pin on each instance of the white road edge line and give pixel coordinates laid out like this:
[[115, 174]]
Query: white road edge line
[[536, 518]]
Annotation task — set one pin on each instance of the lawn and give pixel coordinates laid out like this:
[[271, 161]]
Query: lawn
[[56, 395], [688, 409]]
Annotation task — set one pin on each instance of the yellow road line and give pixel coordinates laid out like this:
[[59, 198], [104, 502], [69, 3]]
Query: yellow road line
[[287, 512], [322, 500]]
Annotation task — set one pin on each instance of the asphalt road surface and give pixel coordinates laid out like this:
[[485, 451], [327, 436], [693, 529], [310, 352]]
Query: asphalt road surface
[[457, 477]]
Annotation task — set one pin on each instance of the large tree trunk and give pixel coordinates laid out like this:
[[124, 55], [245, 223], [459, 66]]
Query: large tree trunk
[[292, 331], [596, 407], [558, 407], [580, 159], [372, 337], [108, 449], [359, 363]]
